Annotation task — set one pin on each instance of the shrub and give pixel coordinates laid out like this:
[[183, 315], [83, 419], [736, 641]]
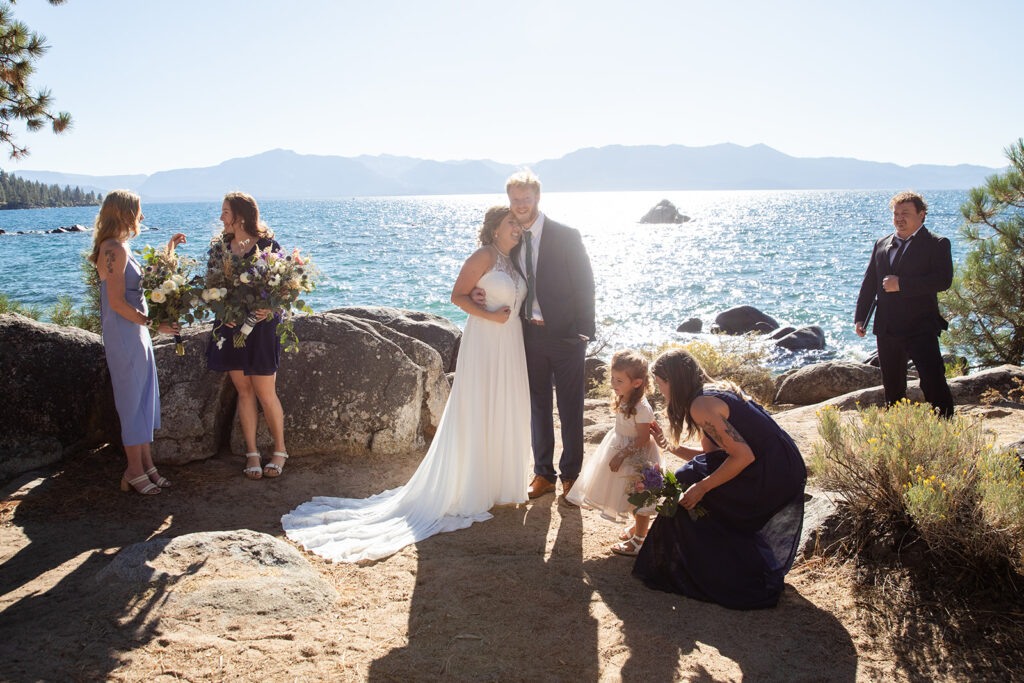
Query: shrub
[[9, 305], [941, 477]]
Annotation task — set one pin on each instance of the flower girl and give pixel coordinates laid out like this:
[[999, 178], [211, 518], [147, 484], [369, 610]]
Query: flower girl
[[623, 453]]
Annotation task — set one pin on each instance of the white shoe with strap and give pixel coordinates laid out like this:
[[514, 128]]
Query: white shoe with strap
[[272, 469]]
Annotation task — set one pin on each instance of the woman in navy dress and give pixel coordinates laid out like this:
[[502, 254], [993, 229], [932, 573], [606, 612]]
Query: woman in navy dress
[[253, 368], [748, 481], [126, 341]]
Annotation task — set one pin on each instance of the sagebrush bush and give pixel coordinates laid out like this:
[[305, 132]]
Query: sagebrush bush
[[943, 477]]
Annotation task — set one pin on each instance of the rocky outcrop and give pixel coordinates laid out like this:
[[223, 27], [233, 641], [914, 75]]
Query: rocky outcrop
[[782, 332], [196, 404], [743, 320], [439, 333], [809, 338], [234, 573], [55, 394], [355, 385], [595, 372], [690, 326], [664, 212], [821, 381], [968, 389]]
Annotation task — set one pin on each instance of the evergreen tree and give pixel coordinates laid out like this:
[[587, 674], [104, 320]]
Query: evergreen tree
[[986, 302], [19, 48]]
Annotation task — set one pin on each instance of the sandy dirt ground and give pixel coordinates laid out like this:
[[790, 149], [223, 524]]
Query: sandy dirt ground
[[532, 595]]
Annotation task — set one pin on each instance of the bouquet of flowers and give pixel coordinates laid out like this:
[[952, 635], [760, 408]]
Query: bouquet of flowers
[[238, 287], [656, 489], [171, 289]]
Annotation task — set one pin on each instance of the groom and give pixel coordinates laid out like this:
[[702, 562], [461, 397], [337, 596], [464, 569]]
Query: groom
[[558, 321]]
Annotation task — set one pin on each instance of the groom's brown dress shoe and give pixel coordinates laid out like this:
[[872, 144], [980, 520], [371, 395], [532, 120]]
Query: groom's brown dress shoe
[[539, 486], [566, 487]]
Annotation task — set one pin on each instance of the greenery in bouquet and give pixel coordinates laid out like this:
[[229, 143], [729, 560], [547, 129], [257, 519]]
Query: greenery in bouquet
[[654, 489], [266, 280], [172, 289]]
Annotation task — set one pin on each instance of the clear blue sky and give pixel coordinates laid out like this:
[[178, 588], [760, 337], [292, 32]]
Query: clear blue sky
[[161, 84]]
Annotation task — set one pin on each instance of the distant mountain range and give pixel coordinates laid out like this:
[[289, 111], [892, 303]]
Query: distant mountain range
[[283, 174]]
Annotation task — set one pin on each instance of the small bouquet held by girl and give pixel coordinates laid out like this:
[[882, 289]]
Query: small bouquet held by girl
[[625, 450], [237, 289], [171, 288]]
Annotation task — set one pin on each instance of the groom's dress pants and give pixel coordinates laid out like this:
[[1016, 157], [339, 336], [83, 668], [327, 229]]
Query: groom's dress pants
[[551, 361]]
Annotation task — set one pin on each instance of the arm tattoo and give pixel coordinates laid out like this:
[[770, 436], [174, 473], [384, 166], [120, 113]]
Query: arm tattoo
[[709, 430], [109, 259], [733, 434]]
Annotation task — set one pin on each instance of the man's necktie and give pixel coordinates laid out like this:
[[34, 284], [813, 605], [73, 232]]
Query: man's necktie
[[901, 248], [530, 280]]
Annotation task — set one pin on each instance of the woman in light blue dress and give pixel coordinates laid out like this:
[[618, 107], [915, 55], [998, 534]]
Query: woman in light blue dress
[[126, 339]]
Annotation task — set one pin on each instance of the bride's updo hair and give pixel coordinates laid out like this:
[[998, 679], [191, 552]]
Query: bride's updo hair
[[492, 219]]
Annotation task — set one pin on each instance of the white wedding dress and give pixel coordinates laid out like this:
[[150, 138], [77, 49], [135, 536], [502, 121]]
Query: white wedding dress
[[480, 455]]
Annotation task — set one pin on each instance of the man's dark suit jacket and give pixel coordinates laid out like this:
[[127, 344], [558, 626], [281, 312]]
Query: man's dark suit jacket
[[925, 269], [564, 280]]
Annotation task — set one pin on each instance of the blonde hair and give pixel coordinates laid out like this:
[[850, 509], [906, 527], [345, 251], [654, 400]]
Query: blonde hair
[[635, 367], [524, 178], [118, 219], [907, 196]]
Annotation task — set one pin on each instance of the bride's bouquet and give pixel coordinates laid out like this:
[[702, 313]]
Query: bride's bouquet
[[171, 288], [266, 280]]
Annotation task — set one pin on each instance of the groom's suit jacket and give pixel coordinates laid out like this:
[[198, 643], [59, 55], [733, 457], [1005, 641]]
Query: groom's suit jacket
[[924, 270], [564, 282]]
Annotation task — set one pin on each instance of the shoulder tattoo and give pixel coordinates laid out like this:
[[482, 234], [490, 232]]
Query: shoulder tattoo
[[109, 257]]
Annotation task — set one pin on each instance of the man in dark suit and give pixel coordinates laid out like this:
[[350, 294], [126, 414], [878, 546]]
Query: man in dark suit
[[558, 321], [906, 272]]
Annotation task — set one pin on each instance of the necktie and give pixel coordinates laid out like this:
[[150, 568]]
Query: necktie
[[530, 280], [901, 247]]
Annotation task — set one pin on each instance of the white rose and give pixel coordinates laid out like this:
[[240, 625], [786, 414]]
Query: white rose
[[245, 277], [169, 286], [178, 278], [157, 297]]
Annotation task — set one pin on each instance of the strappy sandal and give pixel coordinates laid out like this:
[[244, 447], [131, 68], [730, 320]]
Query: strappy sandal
[[160, 481], [630, 547], [627, 533], [272, 469], [253, 471], [141, 484]]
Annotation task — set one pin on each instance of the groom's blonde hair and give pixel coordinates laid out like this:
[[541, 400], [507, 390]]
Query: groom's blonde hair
[[524, 178]]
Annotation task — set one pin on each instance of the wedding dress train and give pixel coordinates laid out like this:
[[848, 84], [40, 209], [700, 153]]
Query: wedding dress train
[[479, 457]]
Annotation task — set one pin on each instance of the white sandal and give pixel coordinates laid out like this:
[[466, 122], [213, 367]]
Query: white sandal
[[160, 481], [253, 471], [630, 547], [272, 469], [150, 489]]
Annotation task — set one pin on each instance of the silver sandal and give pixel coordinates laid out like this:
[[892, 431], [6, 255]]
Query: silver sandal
[[272, 469], [630, 547], [253, 471]]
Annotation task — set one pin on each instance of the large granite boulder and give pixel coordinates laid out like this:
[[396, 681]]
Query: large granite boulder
[[821, 381], [439, 333], [239, 573], [355, 385], [196, 404], [743, 320], [664, 212], [809, 338], [968, 389], [55, 394]]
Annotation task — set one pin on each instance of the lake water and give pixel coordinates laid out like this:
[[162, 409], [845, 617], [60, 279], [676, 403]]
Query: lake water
[[799, 256]]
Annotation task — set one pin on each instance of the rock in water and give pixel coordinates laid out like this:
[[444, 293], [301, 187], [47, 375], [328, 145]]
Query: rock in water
[[236, 573], [664, 212], [821, 381], [744, 319], [810, 338], [691, 326], [55, 394]]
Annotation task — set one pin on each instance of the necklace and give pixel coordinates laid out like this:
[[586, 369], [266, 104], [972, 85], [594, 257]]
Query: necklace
[[245, 242]]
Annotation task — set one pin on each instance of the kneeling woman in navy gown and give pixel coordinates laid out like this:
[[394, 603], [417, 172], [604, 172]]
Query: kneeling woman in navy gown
[[253, 367], [743, 495]]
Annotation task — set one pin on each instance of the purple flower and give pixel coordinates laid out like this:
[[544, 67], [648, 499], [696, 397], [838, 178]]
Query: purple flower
[[653, 478]]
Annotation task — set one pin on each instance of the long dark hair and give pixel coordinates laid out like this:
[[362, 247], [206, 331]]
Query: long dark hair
[[245, 210], [686, 379]]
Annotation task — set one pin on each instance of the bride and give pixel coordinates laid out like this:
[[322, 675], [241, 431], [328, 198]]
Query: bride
[[480, 455]]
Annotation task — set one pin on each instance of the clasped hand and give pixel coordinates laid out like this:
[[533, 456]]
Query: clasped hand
[[692, 496]]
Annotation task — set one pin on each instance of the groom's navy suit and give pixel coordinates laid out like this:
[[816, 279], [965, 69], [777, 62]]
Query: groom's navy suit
[[907, 322], [555, 350]]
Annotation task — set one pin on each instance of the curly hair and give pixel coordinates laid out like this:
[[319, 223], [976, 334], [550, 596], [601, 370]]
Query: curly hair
[[907, 196], [492, 219], [244, 208], [118, 219], [635, 367]]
